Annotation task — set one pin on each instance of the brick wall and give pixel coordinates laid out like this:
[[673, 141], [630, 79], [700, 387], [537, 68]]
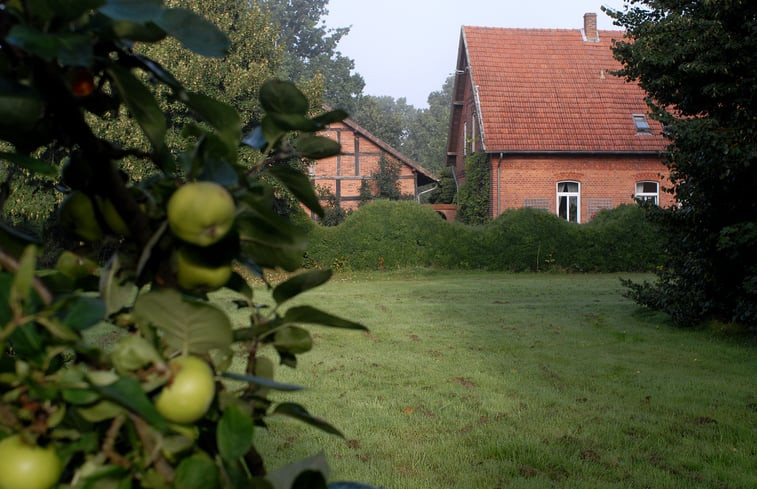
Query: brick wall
[[605, 181], [344, 173]]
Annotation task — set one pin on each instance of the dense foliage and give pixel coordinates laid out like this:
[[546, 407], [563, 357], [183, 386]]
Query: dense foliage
[[697, 60], [165, 405], [386, 234], [473, 196], [446, 189], [310, 49], [419, 133]]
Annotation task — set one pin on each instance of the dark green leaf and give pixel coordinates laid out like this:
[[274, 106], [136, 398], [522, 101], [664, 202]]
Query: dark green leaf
[[234, 433], [272, 133], [293, 122], [299, 184], [270, 240], [316, 147], [70, 49], [298, 412], [33, 41], [75, 50], [80, 396], [221, 116], [141, 103], [292, 340], [197, 472], [327, 118], [136, 31], [15, 241], [311, 315], [156, 70], [29, 163], [263, 382], [299, 284], [82, 313], [128, 393], [133, 10], [68, 10], [194, 32], [283, 97], [6, 279], [20, 106]]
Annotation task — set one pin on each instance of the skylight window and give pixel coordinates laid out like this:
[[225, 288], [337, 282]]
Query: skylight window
[[640, 121]]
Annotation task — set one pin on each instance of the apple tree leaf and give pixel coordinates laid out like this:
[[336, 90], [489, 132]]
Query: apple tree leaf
[[312, 315], [299, 284], [298, 412], [197, 471], [194, 32], [187, 325], [127, 392], [283, 97], [299, 184], [234, 433]]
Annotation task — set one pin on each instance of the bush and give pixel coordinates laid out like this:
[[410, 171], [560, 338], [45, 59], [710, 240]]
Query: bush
[[387, 234]]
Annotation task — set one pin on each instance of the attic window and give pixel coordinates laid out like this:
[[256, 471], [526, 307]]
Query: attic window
[[640, 121]]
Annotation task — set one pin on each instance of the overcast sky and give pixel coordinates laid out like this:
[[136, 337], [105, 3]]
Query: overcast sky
[[407, 48]]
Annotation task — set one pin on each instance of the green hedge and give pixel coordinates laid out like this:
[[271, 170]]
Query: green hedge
[[385, 234]]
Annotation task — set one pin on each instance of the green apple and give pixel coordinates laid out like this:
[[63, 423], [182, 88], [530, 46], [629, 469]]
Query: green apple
[[77, 215], [195, 273], [187, 396], [24, 466], [201, 213]]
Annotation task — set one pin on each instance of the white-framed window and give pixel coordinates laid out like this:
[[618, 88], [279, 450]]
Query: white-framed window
[[569, 201], [647, 191]]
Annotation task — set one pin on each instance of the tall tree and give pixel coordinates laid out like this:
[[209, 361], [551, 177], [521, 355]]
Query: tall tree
[[386, 117], [426, 140], [310, 49], [697, 60]]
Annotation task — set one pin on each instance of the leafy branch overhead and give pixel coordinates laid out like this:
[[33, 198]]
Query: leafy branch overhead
[[164, 405]]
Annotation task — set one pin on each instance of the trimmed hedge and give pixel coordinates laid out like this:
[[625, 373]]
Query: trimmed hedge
[[390, 234]]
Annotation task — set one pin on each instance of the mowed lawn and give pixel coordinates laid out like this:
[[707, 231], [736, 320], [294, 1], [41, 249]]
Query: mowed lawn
[[493, 380]]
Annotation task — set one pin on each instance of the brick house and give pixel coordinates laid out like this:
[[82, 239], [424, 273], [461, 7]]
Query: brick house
[[361, 151], [560, 131]]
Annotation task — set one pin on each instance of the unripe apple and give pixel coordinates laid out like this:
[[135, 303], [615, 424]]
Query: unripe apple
[[77, 215], [194, 273], [201, 213], [187, 396], [24, 466]]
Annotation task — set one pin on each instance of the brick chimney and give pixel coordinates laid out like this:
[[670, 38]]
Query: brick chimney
[[590, 32]]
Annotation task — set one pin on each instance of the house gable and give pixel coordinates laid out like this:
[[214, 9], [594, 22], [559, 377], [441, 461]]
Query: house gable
[[359, 158]]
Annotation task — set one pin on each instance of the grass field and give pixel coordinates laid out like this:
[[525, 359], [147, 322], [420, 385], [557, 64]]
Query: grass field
[[493, 380]]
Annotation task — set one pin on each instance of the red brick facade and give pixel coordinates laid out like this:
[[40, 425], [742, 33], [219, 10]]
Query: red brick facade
[[361, 151], [544, 107], [604, 181]]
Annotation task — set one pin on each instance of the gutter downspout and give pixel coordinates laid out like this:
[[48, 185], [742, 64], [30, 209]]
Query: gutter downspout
[[425, 192], [499, 193]]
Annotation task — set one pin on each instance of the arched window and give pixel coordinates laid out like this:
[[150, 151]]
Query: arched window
[[647, 191], [569, 201]]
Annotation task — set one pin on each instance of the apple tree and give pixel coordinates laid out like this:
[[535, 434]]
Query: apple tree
[[163, 406]]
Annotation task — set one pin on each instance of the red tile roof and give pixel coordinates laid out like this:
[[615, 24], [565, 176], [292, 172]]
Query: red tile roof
[[549, 90]]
